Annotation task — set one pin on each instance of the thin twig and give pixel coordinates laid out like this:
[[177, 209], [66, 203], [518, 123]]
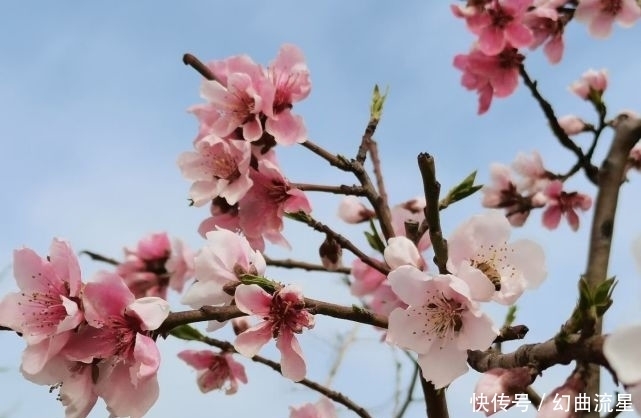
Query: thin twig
[[196, 64], [295, 264], [99, 257], [331, 394], [410, 393], [340, 354], [334, 160], [590, 170], [378, 172], [342, 189]]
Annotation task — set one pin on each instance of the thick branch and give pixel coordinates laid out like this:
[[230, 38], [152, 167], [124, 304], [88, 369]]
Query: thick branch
[[99, 257], [342, 189], [294, 264]]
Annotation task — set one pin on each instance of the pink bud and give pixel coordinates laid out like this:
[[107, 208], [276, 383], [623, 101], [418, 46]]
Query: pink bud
[[352, 211], [498, 382], [331, 253], [571, 124], [590, 82]]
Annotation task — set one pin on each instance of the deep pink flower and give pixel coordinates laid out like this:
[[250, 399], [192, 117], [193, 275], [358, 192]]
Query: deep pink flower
[[283, 315], [601, 14], [499, 25], [215, 370], [47, 307], [563, 203], [261, 210], [238, 97], [324, 408], [225, 257], [591, 85], [353, 211], [290, 76], [218, 167], [547, 26], [117, 338], [155, 265], [440, 324], [490, 76], [480, 254]]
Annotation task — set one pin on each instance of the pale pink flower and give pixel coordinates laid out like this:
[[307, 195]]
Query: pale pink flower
[[383, 300], [353, 211], [440, 324], [501, 190], [499, 25], [48, 306], [560, 402], [621, 349], [547, 26], [591, 85], [290, 76], [155, 265], [262, 209], [530, 167], [73, 379], [284, 315], [490, 76], [480, 254], [563, 203], [218, 167], [215, 370], [410, 210], [238, 96], [501, 385], [366, 278], [601, 14], [571, 124], [118, 335], [400, 251], [225, 257], [324, 408], [634, 159]]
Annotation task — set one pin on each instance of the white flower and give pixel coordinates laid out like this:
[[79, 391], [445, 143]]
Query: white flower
[[621, 349]]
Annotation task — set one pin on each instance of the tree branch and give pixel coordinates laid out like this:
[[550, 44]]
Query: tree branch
[[99, 257], [342, 189], [196, 64]]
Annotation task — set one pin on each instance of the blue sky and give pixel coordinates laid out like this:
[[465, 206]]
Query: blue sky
[[94, 98]]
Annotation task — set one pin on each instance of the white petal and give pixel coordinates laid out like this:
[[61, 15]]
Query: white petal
[[621, 349], [151, 311]]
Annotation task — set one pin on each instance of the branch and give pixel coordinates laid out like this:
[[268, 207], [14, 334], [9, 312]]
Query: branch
[[340, 354], [410, 392], [294, 264], [378, 172], [331, 394], [342, 241], [590, 170], [435, 402], [334, 160], [197, 65], [432, 189], [342, 189], [98, 257]]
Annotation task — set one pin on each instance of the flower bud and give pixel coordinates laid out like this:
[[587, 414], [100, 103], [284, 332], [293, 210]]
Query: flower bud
[[331, 253], [352, 211], [571, 124], [500, 382]]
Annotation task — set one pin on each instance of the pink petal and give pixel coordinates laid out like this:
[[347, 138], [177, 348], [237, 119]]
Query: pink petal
[[253, 300], [36, 356], [441, 367], [147, 359], [404, 330], [152, 311], [552, 217], [287, 128], [601, 26], [199, 360], [292, 362], [491, 40], [410, 284], [554, 49], [251, 341], [123, 398], [65, 264], [108, 295], [401, 251], [32, 273], [630, 12]]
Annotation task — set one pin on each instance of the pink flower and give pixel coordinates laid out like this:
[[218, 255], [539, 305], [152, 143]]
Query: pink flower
[[440, 324], [572, 125], [383, 300], [353, 211], [621, 349], [215, 371], [155, 265], [366, 278], [501, 386], [499, 26], [219, 167], [324, 408], [261, 210], [530, 167], [283, 315], [239, 96], [480, 254], [290, 76], [490, 76], [563, 203], [48, 306], [547, 26], [560, 403], [591, 85], [225, 257], [400, 251], [601, 14], [410, 210], [117, 338]]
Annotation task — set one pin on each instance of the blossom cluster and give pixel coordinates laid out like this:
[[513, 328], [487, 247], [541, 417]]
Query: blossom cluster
[[89, 340], [234, 166], [505, 27]]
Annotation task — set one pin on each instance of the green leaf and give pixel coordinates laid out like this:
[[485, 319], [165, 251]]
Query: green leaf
[[299, 216], [374, 239], [459, 192], [585, 295], [187, 332], [263, 282], [378, 100], [510, 317]]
